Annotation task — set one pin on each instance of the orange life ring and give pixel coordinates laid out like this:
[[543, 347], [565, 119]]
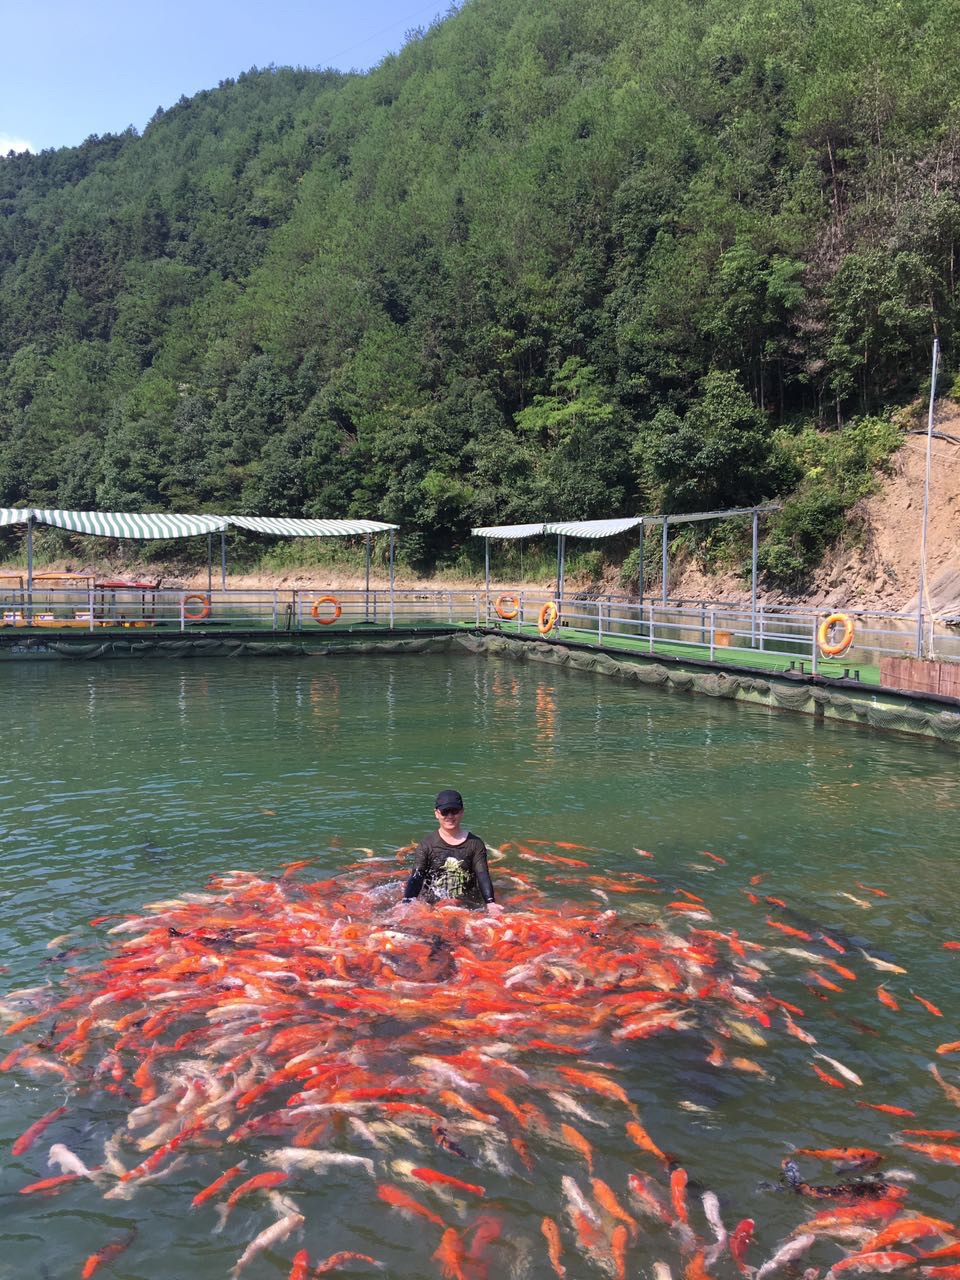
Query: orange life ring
[[547, 619], [846, 639], [204, 603], [325, 622], [505, 612]]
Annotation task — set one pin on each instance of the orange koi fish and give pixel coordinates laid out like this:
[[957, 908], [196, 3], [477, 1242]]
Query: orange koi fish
[[523, 1151], [300, 1267], [48, 1185], [827, 1078], [596, 1083], [573, 1138], [260, 1182], [906, 1230], [821, 981], [930, 1008], [933, 1133], [887, 1109], [398, 1199], [948, 1251], [508, 1105], [715, 857], [678, 1194], [107, 1254], [29, 1136], [551, 1233], [833, 944], [873, 1262], [647, 1199], [451, 1254], [951, 1047], [789, 930], [338, 1259], [618, 1251], [937, 1151], [696, 1268], [638, 1133], [877, 893], [447, 1180], [886, 998], [454, 1100], [739, 1243], [608, 1201]]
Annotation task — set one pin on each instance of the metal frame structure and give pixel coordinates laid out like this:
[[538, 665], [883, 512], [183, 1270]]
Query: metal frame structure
[[155, 526], [610, 528]]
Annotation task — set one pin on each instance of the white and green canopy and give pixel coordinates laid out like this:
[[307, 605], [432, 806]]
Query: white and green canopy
[[155, 525], [14, 515], [285, 527], [122, 524]]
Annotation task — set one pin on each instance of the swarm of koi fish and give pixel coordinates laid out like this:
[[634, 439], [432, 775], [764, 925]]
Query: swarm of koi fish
[[437, 1060]]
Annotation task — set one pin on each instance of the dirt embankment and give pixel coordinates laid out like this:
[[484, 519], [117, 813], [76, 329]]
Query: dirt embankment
[[876, 567]]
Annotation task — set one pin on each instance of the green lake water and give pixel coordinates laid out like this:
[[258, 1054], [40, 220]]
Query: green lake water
[[127, 781]]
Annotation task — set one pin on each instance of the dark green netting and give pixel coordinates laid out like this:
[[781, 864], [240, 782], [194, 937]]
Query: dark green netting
[[788, 695]]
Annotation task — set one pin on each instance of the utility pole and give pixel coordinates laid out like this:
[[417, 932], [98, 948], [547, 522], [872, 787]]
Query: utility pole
[[922, 585]]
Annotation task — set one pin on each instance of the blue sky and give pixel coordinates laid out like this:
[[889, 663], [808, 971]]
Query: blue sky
[[70, 68]]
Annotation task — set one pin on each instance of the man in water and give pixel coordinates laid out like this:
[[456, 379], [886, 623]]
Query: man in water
[[451, 862]]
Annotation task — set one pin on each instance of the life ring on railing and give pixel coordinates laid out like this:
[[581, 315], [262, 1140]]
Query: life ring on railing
[[507, 613], [547, 618], [203, 602], [315, 614], [846, 639]]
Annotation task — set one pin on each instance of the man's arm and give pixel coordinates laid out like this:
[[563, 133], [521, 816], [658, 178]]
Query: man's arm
[[484, 883], [419, 873]]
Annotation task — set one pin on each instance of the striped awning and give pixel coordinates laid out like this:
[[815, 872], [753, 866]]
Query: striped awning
[[510, 531], [13, 515], [595, 528], [283, 527], [122, 524]]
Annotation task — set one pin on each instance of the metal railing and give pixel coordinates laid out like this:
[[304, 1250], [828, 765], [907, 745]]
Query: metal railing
[[706, 626]]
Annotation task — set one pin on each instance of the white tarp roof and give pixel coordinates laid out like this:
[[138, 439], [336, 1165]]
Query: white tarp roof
[[123, 524], [290, 528], [510, 531], [607, 528]]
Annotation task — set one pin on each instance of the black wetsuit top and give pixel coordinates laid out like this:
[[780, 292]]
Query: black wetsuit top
[[450, 870]]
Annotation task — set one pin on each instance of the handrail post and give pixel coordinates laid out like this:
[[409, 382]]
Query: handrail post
[[760, 616], [713, 632], [814, 651], [275, 606], [650, 626], [90, 606]]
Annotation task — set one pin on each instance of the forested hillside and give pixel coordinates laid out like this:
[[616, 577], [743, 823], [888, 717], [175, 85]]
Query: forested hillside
[[556, 259]]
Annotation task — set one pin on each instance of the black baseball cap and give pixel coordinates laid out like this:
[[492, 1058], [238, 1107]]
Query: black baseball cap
[[449, 800]]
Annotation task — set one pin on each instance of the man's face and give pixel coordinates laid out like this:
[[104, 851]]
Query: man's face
[[448, 818]]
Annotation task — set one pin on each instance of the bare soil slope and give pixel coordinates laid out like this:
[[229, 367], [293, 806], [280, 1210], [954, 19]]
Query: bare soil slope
[[877, 566]]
